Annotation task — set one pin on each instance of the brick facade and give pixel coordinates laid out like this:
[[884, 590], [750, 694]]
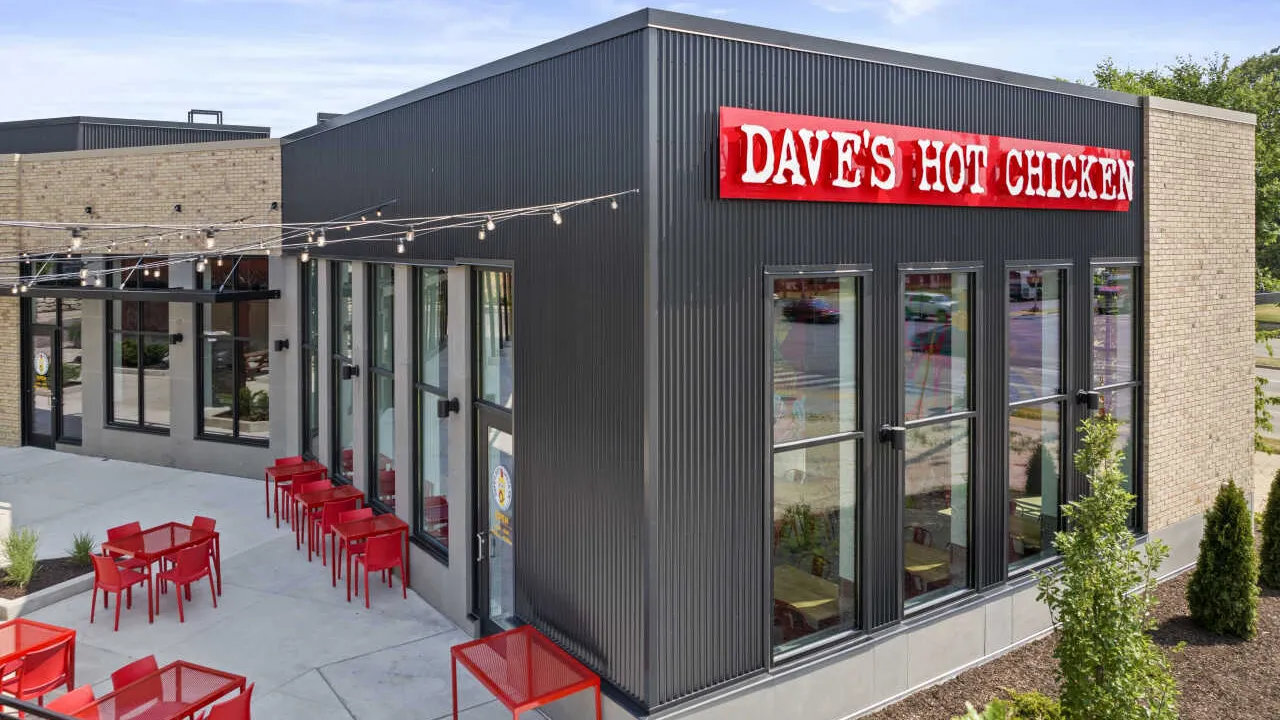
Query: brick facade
[[213, 182], [1198, 267]]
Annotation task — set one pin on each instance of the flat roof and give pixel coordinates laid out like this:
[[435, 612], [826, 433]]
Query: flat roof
[[88, 120], [693, 24]]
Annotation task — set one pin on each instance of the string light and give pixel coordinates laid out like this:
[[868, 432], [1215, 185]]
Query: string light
[[97, 281], [305, 256], [209, 242], [408, 236], [22, 288], [76, 238], [320, 240], [84, 273], [488, 224], [362, 219], [200, 265], [378, 212], [480, 234], [83, 282], [14, 290], [400, 247], [555, 217], [219, 261], [613, 204]]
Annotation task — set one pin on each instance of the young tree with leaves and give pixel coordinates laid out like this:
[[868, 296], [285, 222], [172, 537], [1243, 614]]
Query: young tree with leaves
[[1102, 597]]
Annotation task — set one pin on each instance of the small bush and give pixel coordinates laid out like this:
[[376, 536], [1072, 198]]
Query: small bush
[[1034, 706], [1040, 467], [20, 546], [1269, 562], [81, 549], [995, 710], [1223, 592]]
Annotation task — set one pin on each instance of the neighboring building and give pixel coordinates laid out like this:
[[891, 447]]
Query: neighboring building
[[776, 453], [94, 133]]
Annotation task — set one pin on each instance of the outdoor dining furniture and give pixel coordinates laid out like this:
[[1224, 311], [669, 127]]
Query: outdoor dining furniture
[[133, 671], [310, 499], [193, 564], [280, 476], [338, 550], [153, 544], [237, 708], [72, 700], [21, 636], [322, 528], [177, 690], [302, 482], [40, 669], [812, 597], [114, 580], [349, 533], [523, 669], [123, 531], [381, 553]]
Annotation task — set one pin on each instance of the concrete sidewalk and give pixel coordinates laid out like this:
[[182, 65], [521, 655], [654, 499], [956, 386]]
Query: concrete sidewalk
[[278, 622]]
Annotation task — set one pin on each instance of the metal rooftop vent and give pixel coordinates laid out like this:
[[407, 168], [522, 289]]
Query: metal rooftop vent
[[216, 114]]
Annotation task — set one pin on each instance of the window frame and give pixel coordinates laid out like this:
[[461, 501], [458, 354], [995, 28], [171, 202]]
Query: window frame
[[1138, 517], [860, 437], [972, 415], [422, 392], [120, 278], [309, 301], [376, 373], [1066, 372], [337, 360], [236, 338]]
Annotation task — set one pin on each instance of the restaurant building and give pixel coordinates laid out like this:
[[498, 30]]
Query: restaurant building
[[797, 396]]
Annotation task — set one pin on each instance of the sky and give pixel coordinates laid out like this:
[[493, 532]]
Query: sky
[[279, 62]]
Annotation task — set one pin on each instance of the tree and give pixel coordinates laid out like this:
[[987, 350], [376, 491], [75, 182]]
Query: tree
[[1253, 86], [1102, 597], [1269, 562], [1223, 592]]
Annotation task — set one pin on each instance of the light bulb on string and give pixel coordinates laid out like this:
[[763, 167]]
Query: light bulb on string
[[84, 273], [320, 240], [348, 228], [305, 256], [363, 218], [209, 242], [219, 263], [83, 282], [13, 290], [480, 234], [555, 217], [97, 281], [488, 224], [200, 265], [378, 212], [400, 247], [311, 236], [76, 238], [613, 204], [22, 288], [408, 236]]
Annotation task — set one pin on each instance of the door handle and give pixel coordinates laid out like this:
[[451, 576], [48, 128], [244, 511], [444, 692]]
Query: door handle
[[896, 435], [1092, 398], [481, 541]]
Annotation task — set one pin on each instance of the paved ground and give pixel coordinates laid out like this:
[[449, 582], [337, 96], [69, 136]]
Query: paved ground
[[279, 622]]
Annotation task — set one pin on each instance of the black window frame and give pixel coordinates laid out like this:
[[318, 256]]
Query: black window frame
[[425, 394], [338, 361], [376, 372], [27, 314], [125, 278], [236, 338], [309, 345]]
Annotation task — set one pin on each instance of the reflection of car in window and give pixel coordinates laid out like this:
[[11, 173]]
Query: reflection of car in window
[[811, 310], [929, 305], [935, 341], [1024, 285]]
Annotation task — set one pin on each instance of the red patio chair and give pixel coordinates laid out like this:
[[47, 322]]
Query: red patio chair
[[116, 533], [73, 700], [323, 526], [283, 484], [33, 675], [112, 579], [294, 489], [302, 488], [381, 552], [351, 548], [193, 564], [133, 671], [237, 708]]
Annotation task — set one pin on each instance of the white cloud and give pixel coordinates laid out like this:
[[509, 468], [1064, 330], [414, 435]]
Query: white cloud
[[896, 11]]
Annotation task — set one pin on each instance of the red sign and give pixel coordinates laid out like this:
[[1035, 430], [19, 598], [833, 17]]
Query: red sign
[[776, 156]]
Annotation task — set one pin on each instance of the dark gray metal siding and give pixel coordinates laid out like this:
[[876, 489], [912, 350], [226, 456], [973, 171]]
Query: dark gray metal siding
[[77, 133], [565, 128], [95, 136], [708, 481], [39, 138]]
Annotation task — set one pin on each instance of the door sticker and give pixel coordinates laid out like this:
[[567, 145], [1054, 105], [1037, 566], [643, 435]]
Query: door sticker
[[42, 369], [500, 488]]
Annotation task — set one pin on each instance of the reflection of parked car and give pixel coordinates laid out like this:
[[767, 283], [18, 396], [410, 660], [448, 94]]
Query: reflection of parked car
[[934, 340], [929, 305], [812, 310]]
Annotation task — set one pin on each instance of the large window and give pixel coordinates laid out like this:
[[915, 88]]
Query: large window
[[495, 344], [1035, 343], [382, 386], [310, 305], [138, 351], [1113, 355], [431, 382], [937, 365], [233, 360], [817, 443], [340, 313]]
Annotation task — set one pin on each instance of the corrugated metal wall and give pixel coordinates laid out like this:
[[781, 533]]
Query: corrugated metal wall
[[39, 138], [566, 128], [97, 136], [710, 617]]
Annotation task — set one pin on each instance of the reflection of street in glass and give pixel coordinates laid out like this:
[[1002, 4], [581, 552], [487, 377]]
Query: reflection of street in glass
[[936, 485]]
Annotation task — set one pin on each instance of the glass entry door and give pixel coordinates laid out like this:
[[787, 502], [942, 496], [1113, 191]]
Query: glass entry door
[[495, 540], [42, 383]]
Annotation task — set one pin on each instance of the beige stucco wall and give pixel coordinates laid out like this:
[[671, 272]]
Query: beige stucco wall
[[213, 182], [1199, 273]]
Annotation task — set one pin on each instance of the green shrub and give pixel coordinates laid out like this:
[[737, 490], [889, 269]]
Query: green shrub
[[254, 406], [1223, 592], [81, 548], [995, 710], [1102, 596], [20, 547], [1269, 562], [1040, 467], [1034, 706]]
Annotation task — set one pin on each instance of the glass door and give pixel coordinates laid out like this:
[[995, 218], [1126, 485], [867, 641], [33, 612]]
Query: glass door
[[42, 382], [496, 542]]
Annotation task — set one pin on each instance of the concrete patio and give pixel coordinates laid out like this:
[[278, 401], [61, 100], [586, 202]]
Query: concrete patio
[[278, 622]]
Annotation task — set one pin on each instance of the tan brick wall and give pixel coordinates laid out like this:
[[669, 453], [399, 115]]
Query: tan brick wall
[[214, 183], [1199, 273]]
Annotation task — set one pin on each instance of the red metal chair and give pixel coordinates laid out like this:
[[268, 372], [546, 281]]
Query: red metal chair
[[381, 552], [351, 548], [284, 483], [33, 675], [201, 522], [71, 701], [193, 564], [237, 708], [133, 671], [294, 489], [300, 523], [112, 579], [124, 531], [322, 527]]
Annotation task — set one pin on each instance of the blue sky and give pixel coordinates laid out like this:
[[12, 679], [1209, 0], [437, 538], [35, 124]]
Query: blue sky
[[278, 62]]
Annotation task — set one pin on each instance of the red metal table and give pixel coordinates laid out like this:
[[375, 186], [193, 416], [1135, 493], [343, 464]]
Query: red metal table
[[164, 540], [356, 530], [20, 636], [175, 691], [523, 669], [284, 473], [308, 502]]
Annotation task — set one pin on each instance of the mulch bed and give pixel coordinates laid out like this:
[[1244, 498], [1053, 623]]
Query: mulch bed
[[48, 573], [1217, 677]]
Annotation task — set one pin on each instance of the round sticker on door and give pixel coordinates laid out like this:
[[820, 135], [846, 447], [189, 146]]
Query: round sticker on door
[[42, 363], [500, 485]]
